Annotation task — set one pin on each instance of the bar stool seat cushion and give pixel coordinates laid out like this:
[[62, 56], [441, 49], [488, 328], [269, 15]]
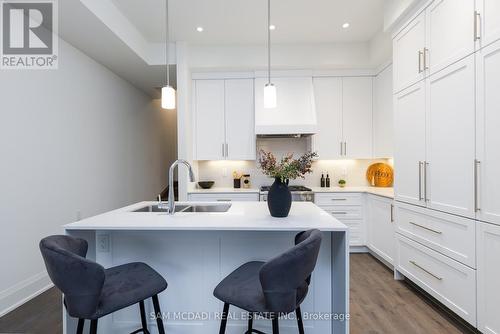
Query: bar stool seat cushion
[[127, 285], [242, 288]]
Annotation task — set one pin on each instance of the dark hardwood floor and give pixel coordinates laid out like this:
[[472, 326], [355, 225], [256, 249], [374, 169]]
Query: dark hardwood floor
[[379, 305]]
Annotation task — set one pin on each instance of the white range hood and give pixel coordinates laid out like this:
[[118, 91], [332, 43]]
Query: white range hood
[[295, 114]]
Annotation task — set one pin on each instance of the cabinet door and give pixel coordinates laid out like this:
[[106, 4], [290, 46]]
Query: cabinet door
[[488, 274], [240, 120], [409, 144], [357, 116], [451, 139], [383, 123], [381, 227], [328, 100], [408, 47], [487, 133], [209, 120], [488, 22], [450, 32]]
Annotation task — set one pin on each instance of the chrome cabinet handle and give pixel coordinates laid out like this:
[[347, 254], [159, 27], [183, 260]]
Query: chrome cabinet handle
[[420, 54], [339, 199], [477, 26], [425, 181], [425, 270], [223, 200], [392, 213], [341, 149], [223, 151], [420, 180], [477, 165], [426, 228], [227, 150], [339, 212], [345, 148], [426, 54]]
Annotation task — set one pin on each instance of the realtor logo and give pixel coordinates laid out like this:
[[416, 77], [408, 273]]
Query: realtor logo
[[29, 34]]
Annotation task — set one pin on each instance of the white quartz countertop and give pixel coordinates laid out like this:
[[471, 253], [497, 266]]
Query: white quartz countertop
[[385, 192], [242, 216]]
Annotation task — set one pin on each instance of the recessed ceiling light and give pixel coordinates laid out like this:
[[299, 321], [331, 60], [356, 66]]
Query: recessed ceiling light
[[346, 25], [199, 29], [272, 27]]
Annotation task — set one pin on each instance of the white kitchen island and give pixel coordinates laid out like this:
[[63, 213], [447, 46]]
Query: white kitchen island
[[194, 251]]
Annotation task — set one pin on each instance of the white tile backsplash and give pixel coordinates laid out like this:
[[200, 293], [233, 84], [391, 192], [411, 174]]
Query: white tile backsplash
[[353, 171]]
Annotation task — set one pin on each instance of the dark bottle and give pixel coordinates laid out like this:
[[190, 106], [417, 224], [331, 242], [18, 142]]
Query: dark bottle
[[327, 180], [322, 180]]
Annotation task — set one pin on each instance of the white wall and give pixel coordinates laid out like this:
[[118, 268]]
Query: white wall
[[74, 142], [284, 56]]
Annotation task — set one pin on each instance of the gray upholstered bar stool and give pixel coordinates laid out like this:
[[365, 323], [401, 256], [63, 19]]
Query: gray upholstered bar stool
[[90, 291], [273, 288]]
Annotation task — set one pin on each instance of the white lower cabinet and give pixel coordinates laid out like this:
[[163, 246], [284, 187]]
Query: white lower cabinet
[[450, 235], [223, 197], [348, 208], [488, 274], [380, 227], [447, 280]]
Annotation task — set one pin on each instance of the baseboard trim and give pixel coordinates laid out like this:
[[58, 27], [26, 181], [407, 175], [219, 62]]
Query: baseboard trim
[[358, 249], [22, 292]]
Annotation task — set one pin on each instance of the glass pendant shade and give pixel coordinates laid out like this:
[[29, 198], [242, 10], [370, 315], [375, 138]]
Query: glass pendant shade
[[168, 97], [270, 96]]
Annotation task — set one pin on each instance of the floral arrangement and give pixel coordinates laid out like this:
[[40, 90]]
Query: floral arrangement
[[287, 168]]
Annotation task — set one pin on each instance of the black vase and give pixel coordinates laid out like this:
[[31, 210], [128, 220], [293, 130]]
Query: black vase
[[279, 199]]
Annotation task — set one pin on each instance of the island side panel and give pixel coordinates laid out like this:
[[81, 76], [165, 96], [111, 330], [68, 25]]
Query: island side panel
[[340, 281]]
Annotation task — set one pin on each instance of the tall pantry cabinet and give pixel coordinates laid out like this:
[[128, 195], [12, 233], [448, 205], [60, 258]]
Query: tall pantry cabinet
[[447, 139]]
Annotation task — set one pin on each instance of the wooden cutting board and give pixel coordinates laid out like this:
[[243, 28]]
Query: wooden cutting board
[[380, 175]]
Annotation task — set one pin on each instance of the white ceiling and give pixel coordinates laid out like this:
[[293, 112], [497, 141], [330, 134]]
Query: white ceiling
[[244, 21]]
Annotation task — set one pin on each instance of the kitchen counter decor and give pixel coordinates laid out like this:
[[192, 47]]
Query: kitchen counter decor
[[279, 199]]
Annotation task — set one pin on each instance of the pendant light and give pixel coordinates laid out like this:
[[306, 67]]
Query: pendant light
[[269, 89], [167, 92]]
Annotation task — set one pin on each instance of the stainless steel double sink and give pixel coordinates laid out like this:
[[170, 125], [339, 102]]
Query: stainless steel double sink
[[195, 208]]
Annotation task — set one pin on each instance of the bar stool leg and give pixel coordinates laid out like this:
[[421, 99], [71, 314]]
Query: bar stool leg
[[79, 329], [93, 326], [298, 312], [158, 314], [223, 322], [143, 317], [276, 329], [250, 323]]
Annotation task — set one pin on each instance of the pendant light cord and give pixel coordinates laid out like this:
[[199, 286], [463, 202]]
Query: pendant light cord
[[268, 41], [167, 42]]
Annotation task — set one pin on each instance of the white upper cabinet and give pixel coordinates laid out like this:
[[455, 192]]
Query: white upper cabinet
[[224, 119], [408, 52], [240, 119], [409, 144], [357, 111], [450, 32], [209, 119], [488, 274], [451, 139], [383, 123], [488, 133], [487, 22], [328, 96]]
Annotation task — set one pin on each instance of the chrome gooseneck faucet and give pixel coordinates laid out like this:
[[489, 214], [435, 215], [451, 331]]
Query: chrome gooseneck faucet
[[171, 196]]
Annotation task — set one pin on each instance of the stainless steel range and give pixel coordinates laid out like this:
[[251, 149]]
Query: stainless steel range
[[299, 193]]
